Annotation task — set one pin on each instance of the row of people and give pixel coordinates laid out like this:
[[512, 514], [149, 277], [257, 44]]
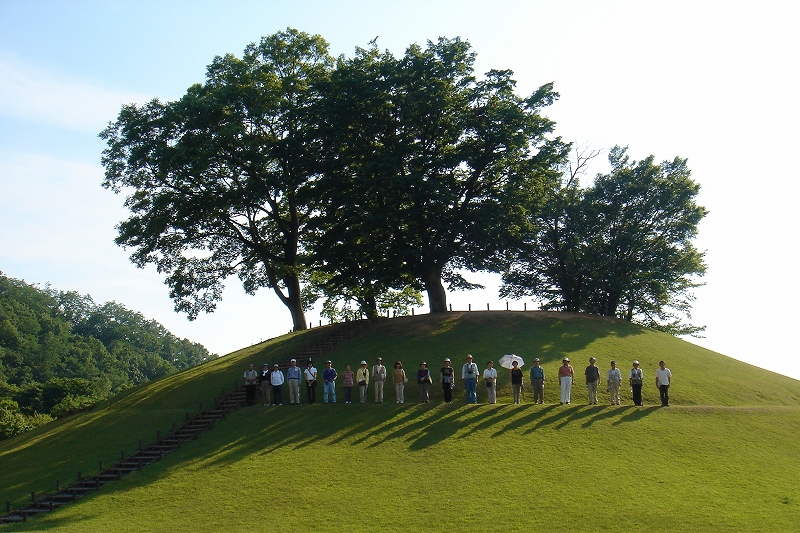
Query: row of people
[[271, 381]]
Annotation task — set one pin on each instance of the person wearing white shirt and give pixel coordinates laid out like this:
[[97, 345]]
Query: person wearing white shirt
[[379, 378], [663, 381], [490, 378], [277, 380], [614, 378], [310, 374]]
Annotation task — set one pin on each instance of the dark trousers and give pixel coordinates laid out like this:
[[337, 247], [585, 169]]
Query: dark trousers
[[663, 390], [637, 394], [250, 394], [311, 391], [447, 388], [348, 394], [277, 394]]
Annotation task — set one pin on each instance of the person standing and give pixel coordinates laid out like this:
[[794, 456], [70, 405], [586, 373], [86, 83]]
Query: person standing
[[635, 377], [379, 378], [663, 381], [311, 382], [265, 383], [348, 380], [565, 376], [614, 378], [293, 376], [537, 381], [250, 384], [447, 379], [329, 376], [469, 373], [592, 380], [490, 378], [399, 379], [424, 381], [516, 381], [277, 380], [362, 378]]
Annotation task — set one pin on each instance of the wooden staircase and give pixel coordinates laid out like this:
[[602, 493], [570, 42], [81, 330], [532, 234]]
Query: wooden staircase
[[190, 430]]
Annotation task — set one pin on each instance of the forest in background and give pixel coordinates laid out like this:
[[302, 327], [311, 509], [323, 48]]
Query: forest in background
[[60, 352]]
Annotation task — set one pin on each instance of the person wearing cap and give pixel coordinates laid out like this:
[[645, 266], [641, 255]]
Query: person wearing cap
[[329, 376], [250, 385], [266, 384], [592, 380], [490, 378], [277, 380], [310, 375], [379, 378], [399, 379], [362, 378], [424, 381], [614, 378], [469, 374], [537, 381], [565, 376], [663, 381], [293, 376], [348, 380], [635, 377], [447, 379]]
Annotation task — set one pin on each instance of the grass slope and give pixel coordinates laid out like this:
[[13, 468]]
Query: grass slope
[[723, 458]]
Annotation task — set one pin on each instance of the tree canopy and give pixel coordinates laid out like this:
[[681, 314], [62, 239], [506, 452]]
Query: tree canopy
[[429, 168], [621, 247], [216, 178]]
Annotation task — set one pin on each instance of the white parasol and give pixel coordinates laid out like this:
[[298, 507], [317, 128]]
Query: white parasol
[[507, 360]]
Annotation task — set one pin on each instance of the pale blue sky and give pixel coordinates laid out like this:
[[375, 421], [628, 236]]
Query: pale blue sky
[[709, 81]]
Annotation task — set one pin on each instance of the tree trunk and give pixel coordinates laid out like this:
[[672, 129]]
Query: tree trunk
[[295, 304], [437, 297]]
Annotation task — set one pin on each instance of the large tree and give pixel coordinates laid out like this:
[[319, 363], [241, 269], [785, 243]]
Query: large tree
[[216, 178], [620, 247], [429, 169]]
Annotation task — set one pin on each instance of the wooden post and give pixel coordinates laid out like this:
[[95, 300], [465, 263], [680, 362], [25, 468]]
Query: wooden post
[[33, 497], [451, 308], [487, 307], [79, 476], [101, 466], [58, 485], [506, 305], [526, 306], [470, 307], [412, 311], [8, 506]]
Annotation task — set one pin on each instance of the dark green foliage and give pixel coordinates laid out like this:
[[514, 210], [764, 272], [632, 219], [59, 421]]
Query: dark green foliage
[[222, 171], [429, 169], [60, 352], [621, 247]]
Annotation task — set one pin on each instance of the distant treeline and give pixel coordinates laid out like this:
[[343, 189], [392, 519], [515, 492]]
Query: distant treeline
[[60, 352]]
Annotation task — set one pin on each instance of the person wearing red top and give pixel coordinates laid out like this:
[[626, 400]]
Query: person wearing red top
[[565, 375]]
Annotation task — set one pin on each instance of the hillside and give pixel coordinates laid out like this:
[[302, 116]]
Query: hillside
[[722, 458]]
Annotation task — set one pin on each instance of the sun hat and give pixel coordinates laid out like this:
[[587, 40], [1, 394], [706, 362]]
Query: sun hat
[[636, 362], [363, 362], [565, 359]]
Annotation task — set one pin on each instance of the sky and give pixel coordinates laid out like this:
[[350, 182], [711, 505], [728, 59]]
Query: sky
[[708, 81]]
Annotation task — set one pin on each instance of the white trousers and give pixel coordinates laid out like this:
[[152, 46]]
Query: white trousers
[[566, 389]]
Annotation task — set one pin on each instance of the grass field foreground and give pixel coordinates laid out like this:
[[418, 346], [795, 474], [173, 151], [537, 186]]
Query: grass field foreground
[[724, 457]]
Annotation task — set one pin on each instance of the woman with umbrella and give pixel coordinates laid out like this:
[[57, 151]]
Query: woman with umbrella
[[514, 363]]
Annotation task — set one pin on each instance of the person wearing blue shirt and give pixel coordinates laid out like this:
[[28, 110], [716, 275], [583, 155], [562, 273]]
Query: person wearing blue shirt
[[329, 377], [537, 381], [293, 376]]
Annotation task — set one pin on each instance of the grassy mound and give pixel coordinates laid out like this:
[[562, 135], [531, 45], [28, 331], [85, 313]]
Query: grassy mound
[[723, 457]]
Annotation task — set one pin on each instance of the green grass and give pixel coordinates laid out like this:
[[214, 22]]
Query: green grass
[[724, 457]]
